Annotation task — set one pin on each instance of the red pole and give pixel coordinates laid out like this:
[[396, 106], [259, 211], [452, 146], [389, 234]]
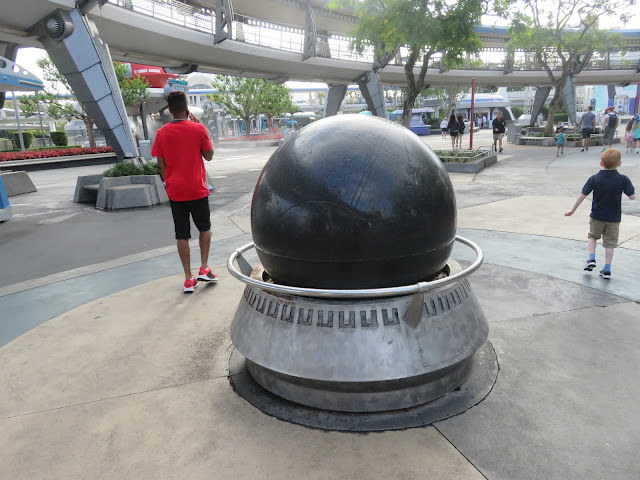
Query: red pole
[[635, 105], [473, 122]]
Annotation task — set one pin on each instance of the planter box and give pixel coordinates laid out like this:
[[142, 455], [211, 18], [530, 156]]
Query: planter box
[[115, 193], [471, 167], [540, 141]]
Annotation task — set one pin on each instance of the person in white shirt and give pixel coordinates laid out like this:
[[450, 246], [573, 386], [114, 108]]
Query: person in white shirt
[[444, 125]]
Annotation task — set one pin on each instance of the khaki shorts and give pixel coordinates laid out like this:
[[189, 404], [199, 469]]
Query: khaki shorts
[[498, 136], [607, 230]]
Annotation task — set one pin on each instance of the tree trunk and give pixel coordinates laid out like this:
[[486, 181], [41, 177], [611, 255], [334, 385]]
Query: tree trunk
[[552, 108], [247, 126], [88, 122], [269, 123], [407, 106]]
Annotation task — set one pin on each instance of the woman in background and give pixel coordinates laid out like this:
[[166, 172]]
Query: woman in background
[[453, 130], [461, 127]]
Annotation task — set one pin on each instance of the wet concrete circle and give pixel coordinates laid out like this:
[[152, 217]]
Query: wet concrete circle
[[472, 391]]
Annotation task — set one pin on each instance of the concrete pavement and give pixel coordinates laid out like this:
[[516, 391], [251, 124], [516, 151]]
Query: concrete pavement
[[109, 371]]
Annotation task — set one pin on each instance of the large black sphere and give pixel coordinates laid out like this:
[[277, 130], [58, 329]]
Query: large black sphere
[[353, 201]]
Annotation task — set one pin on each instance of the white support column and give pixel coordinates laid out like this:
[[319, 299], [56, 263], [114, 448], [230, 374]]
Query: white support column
[[72, 42]]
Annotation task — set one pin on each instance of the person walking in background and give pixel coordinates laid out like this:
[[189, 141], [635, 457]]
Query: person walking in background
[[484, 121], [588, 124], [179, 147], [461, 128], [453, 130], [635, 133], [628, 135], [560, 142], [607, 186], [609, 125], [499, 127], [444, 124]]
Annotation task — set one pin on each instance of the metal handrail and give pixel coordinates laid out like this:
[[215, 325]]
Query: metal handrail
[[419, 287]]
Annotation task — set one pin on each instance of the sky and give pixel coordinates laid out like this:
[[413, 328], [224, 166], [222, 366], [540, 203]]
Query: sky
[[27, 57]]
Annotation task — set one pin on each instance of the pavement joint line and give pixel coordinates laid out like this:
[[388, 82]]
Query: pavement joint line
[[531, 234], [627, 240], [115, 397], [434, 424]]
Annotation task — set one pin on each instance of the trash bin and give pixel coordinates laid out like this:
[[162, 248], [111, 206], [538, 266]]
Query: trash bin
[[145, 149]]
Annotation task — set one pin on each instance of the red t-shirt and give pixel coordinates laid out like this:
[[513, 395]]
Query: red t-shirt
[[181, 145]]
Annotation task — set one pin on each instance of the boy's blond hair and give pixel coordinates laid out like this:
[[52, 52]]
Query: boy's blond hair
[[610, 158]]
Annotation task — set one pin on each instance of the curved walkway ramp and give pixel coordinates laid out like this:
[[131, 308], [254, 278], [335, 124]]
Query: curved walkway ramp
[[112, 373]]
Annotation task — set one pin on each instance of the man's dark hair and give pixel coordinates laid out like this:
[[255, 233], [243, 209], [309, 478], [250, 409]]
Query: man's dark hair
[[177, 102]]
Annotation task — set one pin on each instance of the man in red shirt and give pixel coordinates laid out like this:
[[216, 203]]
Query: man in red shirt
[[179, 147]]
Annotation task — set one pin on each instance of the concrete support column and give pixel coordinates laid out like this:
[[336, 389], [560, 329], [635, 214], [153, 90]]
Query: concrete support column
[[540, 98], [310, 34], [611, 90], [224, 20], [72, 42], [335, 96], [509, 59], [569, 98], [373, 92], [322, 44]]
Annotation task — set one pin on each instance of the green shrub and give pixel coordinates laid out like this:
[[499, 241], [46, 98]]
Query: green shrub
[[125, 169], [517, 111], [27, 138], [59, 138], [560, 117], [150, 168]]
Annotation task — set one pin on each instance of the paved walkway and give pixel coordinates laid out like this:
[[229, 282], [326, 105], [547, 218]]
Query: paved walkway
[[110, 372]]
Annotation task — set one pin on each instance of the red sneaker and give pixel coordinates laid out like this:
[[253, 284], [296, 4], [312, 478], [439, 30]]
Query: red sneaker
[[206, 275], [190, 285]]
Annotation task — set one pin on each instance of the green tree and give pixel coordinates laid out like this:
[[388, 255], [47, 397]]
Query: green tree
[[275, 101], [450, 96], [134, 90], [56, 107], [238, 96], [424, 27], [563, 35]]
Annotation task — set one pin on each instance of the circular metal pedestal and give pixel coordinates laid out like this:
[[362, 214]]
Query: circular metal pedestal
[[473, 390], [360, 350]]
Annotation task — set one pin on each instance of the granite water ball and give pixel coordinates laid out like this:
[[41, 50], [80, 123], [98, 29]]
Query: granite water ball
[[353, 202]]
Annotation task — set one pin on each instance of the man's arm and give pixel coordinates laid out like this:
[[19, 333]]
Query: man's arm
[[208, 155], [579, 200], [162, 166]]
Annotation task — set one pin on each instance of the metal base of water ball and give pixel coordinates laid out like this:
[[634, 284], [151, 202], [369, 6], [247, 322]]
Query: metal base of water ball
[[475, 388], [365, 351]]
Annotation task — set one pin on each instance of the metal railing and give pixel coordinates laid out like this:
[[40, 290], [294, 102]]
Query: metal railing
[[336, 46], [267, 34], [173, 11]]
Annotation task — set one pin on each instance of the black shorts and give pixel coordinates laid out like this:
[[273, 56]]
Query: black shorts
[[454, 133], [586, 132], [199, 210]]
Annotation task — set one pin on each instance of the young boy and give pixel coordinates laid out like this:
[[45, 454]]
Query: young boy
[[606, 209], [560, 139]]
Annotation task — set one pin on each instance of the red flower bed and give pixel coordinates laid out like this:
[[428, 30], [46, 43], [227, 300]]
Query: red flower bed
[[54, 152], [253, 137]]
